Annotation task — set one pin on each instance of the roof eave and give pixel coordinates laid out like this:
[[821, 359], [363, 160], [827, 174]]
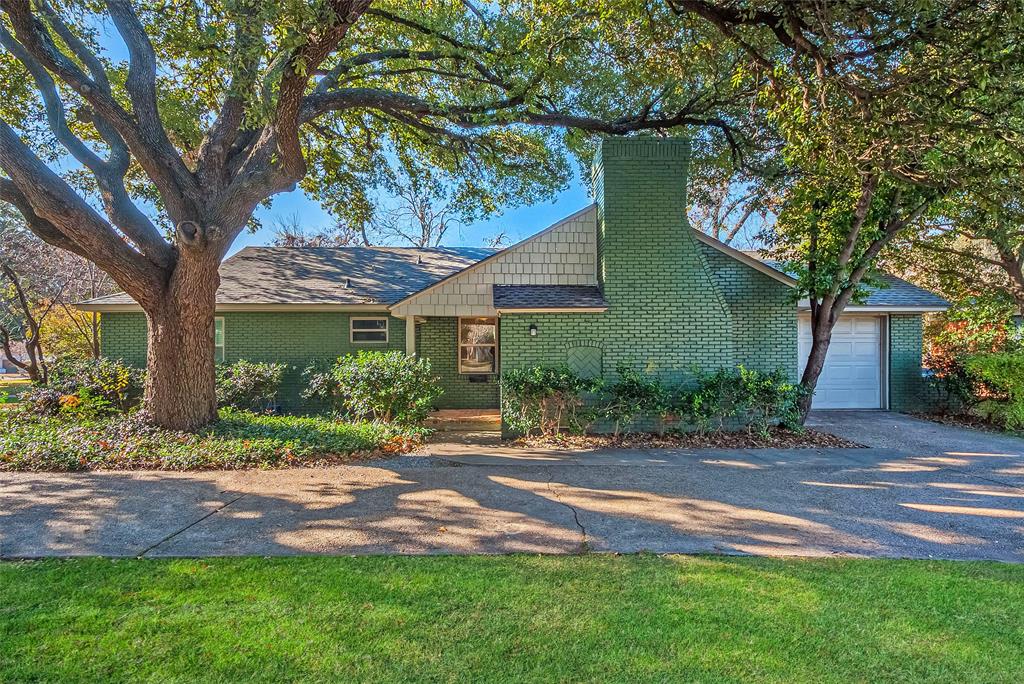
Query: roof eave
[[100, 307], [744, 258], [882, 308], [543, 310]]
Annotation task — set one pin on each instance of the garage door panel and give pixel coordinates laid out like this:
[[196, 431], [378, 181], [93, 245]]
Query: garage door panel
[[865, 326], [865, 350], [852, 377]]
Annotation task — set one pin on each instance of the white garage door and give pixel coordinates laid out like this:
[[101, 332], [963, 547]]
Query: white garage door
[[852, 378]]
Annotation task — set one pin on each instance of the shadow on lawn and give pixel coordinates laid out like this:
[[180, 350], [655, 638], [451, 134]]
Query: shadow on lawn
[[802, 502]]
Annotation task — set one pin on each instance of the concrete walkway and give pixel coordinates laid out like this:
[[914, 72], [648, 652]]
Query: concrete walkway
[[957, 494]]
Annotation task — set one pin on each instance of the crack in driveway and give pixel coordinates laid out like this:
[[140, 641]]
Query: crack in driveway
[[192, 524], [584, 545]]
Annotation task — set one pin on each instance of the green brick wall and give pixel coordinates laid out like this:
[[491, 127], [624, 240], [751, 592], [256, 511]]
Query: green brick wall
[[123, 337], [674, 303], [436, 340], [764, 314], [299, 339], [666, 313], [907, 389], [295, 339]]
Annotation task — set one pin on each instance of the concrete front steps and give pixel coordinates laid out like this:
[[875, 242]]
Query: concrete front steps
[[465, 420]]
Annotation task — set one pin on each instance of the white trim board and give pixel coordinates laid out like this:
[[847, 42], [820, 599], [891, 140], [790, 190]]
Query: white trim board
[[744, 258]]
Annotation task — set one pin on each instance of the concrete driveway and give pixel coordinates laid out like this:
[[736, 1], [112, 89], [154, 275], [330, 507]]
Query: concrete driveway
[[925, 490]]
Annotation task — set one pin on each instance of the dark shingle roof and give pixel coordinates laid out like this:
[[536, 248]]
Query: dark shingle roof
[[895, 292], [548, 297], [332, 275], [899, 292]]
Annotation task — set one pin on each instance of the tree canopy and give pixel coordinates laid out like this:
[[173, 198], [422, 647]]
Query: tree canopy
[[143, 134], [197, 113]]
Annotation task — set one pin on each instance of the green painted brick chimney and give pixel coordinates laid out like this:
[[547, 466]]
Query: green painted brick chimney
[[648, 260]]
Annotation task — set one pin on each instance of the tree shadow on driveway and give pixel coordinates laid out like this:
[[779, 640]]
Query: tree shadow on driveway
[[796, 502]]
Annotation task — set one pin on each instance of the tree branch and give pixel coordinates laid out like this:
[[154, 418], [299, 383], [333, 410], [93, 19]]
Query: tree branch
[[110, 179], [54, 201], [152, 149]]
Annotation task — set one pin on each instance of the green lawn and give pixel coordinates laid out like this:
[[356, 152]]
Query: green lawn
[[11, 388], [519, 618]]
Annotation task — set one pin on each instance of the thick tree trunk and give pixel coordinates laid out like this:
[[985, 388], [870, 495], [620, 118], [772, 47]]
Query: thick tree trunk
[[821, 337], [180, 382]]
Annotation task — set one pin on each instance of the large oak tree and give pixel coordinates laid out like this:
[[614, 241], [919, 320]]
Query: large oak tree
[[143, 134]]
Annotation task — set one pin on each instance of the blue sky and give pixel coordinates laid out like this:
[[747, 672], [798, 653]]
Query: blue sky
[[518, 222]]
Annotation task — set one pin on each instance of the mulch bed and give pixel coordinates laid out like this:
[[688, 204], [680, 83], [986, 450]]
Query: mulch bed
[[778, 439], [964, 421]]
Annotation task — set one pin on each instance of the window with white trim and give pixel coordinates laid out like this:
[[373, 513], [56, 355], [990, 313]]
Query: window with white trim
[[368, 330], [478, 345], [218, 339]]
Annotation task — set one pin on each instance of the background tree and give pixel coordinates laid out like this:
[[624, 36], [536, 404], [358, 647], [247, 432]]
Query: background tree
[[421, 209], [29, 292], [224, 103], [971, 248], [69, 332], [289, 231], [884, 109]]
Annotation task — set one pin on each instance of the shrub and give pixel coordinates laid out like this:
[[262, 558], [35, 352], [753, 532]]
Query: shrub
[[1003, 375], [712, 402], [976, 326], [634, 394], [764, 399], [321, 385], [543, 398], [388, 386], [755, 398], [248, 385], [110, 386]]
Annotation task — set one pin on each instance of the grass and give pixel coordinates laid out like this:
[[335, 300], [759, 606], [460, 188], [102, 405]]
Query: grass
[[238, 440], [512, 618], [11, 388]]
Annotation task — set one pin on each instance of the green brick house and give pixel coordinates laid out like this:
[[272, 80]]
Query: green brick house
[[623, 280]]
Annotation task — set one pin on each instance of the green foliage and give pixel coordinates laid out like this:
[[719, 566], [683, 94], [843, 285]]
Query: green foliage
[[756, 399], [542, 399], [321, 386], [41, 400], [971, 327], [250, 386], [239, 439], [713, 401], [386, 386], [87, 387], [633, 394], [768, 398], [1003, 377]]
